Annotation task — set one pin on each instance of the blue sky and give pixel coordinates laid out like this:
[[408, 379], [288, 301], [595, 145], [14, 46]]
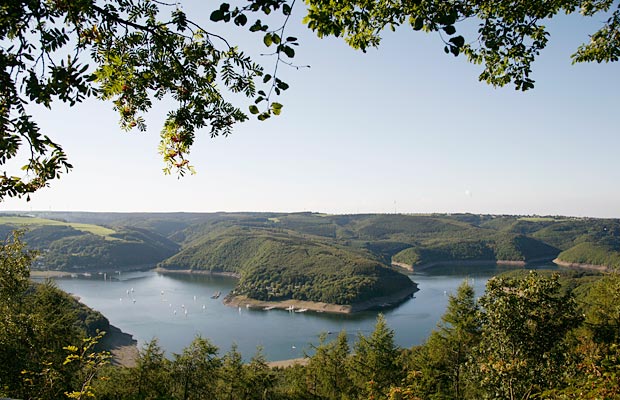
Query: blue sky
[[403, 128]]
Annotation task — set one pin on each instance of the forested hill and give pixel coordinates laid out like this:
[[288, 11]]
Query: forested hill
[[78, 247], [419, 240], [279, 265], [414, 240]]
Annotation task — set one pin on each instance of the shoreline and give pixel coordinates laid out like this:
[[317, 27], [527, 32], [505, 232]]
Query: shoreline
[[402, 267], [121, 345], [320, 307], [447, 263], [42, 273], [567, 264], [165, 271]]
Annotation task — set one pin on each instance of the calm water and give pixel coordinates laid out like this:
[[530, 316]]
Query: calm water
[[161, 302]]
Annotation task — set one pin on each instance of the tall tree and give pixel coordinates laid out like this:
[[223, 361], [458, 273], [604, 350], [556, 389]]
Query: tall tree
[[525, 323], [151, 378], [259, 378], [232, 382], [327, 370], [15, 324], [438, 368], [44, 352], [374, 363], [602, 309], [195, 371]]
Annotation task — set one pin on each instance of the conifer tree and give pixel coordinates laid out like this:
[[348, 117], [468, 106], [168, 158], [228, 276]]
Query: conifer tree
[[374, 364]]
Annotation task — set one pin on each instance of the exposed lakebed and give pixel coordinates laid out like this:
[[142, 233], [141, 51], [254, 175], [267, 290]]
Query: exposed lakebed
[[176, 308]]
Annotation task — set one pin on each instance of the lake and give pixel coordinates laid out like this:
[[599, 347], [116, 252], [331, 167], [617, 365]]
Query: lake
[[176, 308]]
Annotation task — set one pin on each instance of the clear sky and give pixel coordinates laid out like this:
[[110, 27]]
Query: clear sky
[[403, 128]]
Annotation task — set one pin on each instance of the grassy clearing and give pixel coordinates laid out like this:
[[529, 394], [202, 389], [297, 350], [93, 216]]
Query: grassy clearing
[[542, 219], [94, 229]]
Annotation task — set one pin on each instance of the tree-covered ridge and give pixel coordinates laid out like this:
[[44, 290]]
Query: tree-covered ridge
[[409, 239], [44, 332], [281, 265], [592, 254], [86, 247]]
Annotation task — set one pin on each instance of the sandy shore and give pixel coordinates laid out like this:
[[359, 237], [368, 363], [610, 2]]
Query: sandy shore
[[602, 268], [122, 346], [195, 271], [402, 266], [49, 274], [38, 273], [426, 266], [378, 302]]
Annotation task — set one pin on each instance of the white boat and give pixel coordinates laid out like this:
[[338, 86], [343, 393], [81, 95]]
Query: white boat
[[216, 295], [302, 310], [290, 308], [269, 308]]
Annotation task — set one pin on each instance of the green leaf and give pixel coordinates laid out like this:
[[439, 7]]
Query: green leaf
[[266, 79], [276, 38], [253, 109], [288, 51], [224, 7], [458, 41], [286, 9], [217, 15], [291, 39], [257, 26], [450, 29], [267, 39], [241, 20], [276, 106], [418, 24]]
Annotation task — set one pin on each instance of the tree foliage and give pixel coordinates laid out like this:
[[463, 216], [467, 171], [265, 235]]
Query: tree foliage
[[46, 351], [525, 324], [374, 364], [439, 368], [140, 51], [509, 35]]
